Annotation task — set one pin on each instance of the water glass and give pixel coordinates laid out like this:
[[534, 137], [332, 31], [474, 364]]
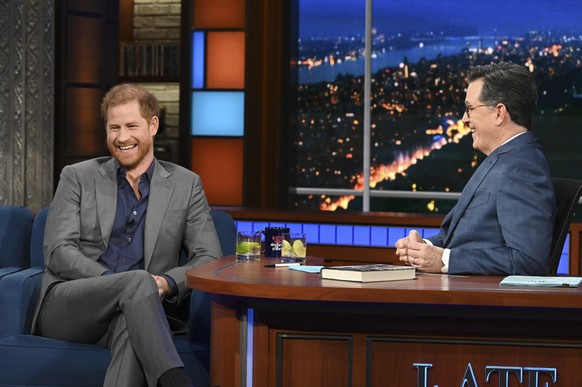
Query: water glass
[[248, 246], [294, 249]]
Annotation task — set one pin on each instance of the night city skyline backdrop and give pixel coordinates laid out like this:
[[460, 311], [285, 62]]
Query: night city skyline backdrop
[[344, 17], [420, 55]]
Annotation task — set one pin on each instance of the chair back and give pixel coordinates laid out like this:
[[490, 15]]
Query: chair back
[[37, 239], [568, 192], [226, 230], [15, 229]]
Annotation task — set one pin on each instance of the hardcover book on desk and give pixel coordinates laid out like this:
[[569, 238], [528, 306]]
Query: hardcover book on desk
[[369, 273]]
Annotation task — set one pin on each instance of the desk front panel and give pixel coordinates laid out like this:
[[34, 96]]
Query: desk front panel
[[309, 344], [316, 359]]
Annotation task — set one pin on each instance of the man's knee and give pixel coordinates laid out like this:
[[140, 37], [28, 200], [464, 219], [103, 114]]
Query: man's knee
[[140, 282]]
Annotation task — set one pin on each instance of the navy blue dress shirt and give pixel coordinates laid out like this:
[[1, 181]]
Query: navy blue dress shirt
[[125, 251]]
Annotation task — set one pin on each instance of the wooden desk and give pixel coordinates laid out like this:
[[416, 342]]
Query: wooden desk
[[436, 330]]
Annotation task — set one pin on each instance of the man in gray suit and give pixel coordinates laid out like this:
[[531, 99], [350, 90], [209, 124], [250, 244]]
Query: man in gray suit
[[113, 238], [504, 219]]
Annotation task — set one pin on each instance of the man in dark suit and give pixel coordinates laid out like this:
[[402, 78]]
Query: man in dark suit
[[112, 244], [504, 219]]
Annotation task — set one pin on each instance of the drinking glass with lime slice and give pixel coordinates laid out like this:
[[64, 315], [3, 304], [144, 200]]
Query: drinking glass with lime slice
[[248, 246], [294, 247]]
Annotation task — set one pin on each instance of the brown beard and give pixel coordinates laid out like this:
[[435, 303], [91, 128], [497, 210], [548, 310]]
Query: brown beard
[[131, 162]]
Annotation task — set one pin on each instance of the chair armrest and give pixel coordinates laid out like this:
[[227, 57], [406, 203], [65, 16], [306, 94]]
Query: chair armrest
[[18, 297], [4, 271]]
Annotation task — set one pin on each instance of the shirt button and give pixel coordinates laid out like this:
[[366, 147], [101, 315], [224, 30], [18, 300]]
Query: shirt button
[[129, 239], [134, 212]]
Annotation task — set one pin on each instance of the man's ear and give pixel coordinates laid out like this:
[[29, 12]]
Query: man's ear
[[154, 125], [501, 114]]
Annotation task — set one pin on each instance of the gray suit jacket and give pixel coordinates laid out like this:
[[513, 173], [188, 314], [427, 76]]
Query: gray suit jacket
[[82, 213], [504, 219]]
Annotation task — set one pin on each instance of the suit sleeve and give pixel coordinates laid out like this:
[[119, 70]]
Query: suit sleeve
[[438, 239], [199, 239], [63, 233]]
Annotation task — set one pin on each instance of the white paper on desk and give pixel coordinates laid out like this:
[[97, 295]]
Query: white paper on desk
[[524, 280], [306, 269]]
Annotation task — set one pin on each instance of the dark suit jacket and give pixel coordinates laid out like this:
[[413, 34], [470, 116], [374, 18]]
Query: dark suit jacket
[[82, 213], [504, 219]]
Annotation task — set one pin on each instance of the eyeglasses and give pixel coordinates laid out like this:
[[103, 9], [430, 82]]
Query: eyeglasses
[[469, 109]]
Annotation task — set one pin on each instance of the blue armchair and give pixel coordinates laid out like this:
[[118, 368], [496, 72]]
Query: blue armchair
[[28, 360], [15, 229]]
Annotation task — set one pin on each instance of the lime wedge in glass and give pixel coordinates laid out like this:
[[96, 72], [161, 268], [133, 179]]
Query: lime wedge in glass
[[285, 249], [299, 249], [246, 247]]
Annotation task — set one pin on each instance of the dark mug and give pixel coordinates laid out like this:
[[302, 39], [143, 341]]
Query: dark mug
[[274, 241]]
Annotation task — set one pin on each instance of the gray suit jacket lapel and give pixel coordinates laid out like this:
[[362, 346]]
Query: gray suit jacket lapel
[[161, 188], [106, 194]]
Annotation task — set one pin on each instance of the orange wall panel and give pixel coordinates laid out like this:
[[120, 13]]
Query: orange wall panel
[[225, 61], [219, 162], [218, 14]]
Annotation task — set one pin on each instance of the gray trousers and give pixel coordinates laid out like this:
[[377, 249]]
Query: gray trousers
[[122, 312]]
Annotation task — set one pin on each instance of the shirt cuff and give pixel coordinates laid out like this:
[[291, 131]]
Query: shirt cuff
[[445, 259], [173, 286]]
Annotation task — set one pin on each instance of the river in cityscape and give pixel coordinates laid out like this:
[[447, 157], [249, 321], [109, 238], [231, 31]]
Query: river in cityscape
[[392, 58]]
